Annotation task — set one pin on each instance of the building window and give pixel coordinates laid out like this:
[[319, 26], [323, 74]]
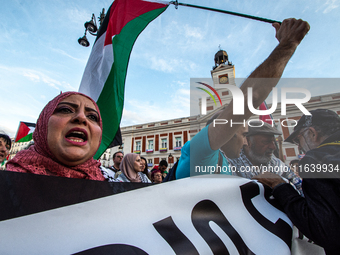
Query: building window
[[137, 145], [150, 144], [164, 143], [150, 161], [178, 141]]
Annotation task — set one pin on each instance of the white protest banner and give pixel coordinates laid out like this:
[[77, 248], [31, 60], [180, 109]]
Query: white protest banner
[[199, 215]]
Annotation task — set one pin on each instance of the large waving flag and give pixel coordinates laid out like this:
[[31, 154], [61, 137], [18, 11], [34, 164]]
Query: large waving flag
[[105, 72], [25, 132]]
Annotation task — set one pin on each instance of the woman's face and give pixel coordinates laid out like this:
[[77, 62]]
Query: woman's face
[[4, 149], [142, 164], [157, 178], [74, 131], [137, 165]]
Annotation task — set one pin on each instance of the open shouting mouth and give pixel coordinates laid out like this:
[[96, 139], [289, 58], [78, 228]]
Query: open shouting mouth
[[77, 136]]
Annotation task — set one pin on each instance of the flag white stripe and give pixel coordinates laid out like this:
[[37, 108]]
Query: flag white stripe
[[31, 130], [97, 69]]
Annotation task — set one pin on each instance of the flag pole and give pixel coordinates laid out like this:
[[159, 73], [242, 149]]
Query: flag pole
[[176, 3]]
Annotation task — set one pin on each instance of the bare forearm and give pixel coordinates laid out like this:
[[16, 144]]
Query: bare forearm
[[289, 35], [262, 79]]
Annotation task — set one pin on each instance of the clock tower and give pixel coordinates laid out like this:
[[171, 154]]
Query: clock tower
[[224, 71]]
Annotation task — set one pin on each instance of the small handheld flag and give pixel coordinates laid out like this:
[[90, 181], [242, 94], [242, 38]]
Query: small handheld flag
[[266, 118], [25, 132]]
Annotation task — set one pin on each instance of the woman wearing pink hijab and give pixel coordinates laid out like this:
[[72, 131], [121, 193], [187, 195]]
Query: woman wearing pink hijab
[[67, 136], [131, 169]]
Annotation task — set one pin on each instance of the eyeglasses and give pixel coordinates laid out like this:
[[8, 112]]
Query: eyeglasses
[[296, 140], [119, 156]]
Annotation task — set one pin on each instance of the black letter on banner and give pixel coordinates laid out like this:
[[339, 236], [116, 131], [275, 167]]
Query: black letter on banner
[[116, 249], [280, 228], [206, 211], [175, 238]]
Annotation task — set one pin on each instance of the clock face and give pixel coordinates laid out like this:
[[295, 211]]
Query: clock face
[[223, 80]]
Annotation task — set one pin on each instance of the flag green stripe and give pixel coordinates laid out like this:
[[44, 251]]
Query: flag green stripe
[[26, 138], [111, 99]]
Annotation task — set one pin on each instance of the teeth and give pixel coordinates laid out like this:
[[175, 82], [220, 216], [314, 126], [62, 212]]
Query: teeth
[[76, 140], [77, 136]]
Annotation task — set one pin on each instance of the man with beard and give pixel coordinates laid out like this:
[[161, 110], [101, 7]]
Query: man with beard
[[317, 215], [257, 156]]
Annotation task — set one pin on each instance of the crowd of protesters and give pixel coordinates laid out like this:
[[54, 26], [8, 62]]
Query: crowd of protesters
[[69, 129]]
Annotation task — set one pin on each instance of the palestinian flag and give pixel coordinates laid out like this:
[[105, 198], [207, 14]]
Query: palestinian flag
[[25, 132], [265, 118], [105, 72]]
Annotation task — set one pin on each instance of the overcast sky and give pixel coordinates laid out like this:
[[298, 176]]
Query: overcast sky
[[40, 55]]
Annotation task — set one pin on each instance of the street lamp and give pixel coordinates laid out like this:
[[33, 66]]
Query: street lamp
[[83, 41], [91, 26]]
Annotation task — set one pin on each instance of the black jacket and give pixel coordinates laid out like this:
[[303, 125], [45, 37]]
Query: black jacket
[[317, 215]]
